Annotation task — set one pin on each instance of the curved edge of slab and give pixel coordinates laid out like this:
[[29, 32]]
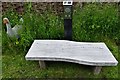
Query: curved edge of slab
[[94, 54], [73, 61]]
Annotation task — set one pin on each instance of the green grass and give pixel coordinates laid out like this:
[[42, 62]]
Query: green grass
[[15, 66], [89, 24]]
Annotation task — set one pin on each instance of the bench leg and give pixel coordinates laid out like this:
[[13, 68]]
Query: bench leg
[[42, 64], [97, 70]]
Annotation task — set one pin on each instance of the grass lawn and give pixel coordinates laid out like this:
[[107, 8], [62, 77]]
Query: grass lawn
[[15, 66], [95, 22]]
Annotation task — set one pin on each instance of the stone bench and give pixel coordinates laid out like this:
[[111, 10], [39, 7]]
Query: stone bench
[[93, 54]]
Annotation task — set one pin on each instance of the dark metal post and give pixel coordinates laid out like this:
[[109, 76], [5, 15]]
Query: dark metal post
[[68, 19]]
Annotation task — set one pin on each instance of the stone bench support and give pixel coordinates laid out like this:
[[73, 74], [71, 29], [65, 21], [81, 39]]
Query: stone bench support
[[97, 70], [42, 64]]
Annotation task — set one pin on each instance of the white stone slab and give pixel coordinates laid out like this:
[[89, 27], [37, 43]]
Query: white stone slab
[[94, 54]]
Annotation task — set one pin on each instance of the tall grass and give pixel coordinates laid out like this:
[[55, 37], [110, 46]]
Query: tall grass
[[92, 23], [95, 21], [35, 26]]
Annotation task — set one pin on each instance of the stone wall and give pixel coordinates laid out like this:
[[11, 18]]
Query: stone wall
[[39, 7], [36, 6]]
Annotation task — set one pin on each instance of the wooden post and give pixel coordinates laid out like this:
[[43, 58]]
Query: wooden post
[[42, 64], [97, 70]]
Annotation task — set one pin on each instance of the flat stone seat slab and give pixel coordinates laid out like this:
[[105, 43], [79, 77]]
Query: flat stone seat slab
[[87, 53]]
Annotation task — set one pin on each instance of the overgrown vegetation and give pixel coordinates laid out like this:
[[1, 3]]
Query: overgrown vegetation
[[95, 22], [36, 26]]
